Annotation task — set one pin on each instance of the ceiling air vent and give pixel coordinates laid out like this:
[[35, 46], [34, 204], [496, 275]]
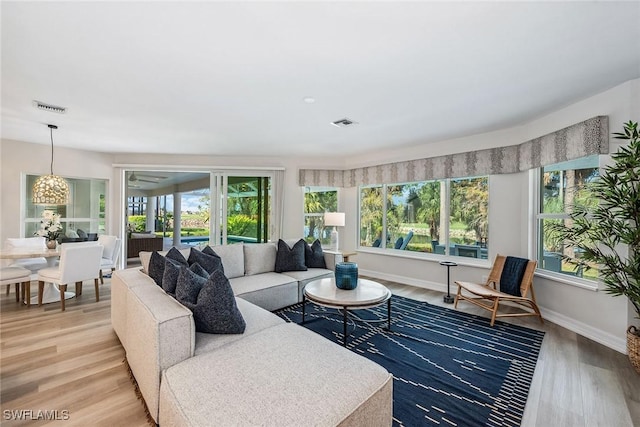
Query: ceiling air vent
[[343, 123], [48, 107]]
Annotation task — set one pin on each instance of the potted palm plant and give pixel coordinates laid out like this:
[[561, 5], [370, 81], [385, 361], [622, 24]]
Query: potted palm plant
[[599, 231]]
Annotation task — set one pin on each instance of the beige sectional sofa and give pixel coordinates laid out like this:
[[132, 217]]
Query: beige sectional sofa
[[275, 373]]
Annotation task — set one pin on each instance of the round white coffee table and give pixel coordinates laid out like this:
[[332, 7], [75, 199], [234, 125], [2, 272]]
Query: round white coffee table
[[367, 294]]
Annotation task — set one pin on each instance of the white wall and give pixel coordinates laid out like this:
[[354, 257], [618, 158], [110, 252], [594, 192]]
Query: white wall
[[594, 314]]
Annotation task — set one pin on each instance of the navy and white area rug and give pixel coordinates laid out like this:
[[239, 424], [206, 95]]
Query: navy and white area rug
[[449, 368]]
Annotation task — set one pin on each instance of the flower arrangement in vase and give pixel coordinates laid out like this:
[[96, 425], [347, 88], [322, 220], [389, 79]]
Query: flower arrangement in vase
[[50, 228]]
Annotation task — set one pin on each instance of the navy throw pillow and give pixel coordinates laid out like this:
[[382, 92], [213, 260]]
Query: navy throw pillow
[[216, 311], [156, 267], [189, 284], [290, 259], [207, 250], [176, 255], [206, 261], [170, 276], [313, 255], [512, 274]]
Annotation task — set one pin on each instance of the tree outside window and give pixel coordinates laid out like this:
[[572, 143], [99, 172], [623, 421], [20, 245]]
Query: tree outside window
[[317, 201], [561, 186], [411, 216]]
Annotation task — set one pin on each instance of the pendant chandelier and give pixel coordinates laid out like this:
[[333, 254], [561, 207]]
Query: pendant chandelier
[[51, 189]]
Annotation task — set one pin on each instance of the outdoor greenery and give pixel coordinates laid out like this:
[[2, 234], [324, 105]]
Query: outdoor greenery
[[599, 230], [316, 203], [417, 207]]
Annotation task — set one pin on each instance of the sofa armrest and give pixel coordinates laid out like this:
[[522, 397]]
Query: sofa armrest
[[160, 333]]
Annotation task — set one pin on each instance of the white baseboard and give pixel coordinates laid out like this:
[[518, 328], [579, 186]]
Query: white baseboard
[[597, 335], [418, 283], [587, 331]]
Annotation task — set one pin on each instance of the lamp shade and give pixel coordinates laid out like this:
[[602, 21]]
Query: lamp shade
[[334, 219], [50, 190]]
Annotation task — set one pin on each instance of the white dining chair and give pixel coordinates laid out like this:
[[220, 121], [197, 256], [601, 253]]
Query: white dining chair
[[78, 262], [111, 245], [19, 276], [26, 243]]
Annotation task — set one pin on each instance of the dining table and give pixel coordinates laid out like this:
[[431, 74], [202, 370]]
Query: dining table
[[51, 291]]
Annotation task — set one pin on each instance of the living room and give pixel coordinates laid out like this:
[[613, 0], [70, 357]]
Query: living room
[[565, 302]]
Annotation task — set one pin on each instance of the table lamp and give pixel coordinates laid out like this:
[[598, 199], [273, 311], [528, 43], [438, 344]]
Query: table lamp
[[334, 219]]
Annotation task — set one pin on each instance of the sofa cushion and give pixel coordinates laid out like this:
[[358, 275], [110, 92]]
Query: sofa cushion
[[232, 259], [290, 259], [311, 273], [299, 379], [190, 282], [215, 311], [156, 267], [256, 319], [209, 262], [270, 291], [258, 282], [313, 255], [259, 258]]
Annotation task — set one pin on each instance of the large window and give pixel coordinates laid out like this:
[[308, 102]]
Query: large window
[[317, 201], [86, 211], [562, 186], [441, 217]]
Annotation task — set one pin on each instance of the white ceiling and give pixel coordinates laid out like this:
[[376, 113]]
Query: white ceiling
[[229, 78]]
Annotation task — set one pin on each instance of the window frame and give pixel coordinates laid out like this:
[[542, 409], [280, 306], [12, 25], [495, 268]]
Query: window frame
[[536, 244]]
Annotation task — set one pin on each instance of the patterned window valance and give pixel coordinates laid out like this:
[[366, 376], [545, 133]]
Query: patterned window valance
[[580, 140]]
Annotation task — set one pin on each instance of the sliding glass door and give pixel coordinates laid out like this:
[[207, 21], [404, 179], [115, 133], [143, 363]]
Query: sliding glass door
[[243, 205], [199, 208]]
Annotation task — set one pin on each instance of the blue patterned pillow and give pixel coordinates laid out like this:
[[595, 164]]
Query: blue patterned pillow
[[313, 255], [290, 259], [215, 311], [208, 262]]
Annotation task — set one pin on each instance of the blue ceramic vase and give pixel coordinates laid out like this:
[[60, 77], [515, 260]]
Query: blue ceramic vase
[[346, 275]]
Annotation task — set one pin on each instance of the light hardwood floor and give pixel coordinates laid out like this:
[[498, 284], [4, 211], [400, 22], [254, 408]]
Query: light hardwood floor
[[73, 362]]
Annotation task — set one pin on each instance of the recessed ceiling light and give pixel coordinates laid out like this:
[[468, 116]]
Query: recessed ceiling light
[[309, 99]]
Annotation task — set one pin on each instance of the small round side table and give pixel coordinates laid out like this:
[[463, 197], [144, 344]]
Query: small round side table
[[448, 298]]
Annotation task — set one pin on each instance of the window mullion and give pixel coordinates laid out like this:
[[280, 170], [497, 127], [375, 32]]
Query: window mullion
[[445, 200], [383, 243]]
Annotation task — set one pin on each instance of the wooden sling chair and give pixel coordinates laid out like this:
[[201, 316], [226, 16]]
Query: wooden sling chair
[[515, 279]]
